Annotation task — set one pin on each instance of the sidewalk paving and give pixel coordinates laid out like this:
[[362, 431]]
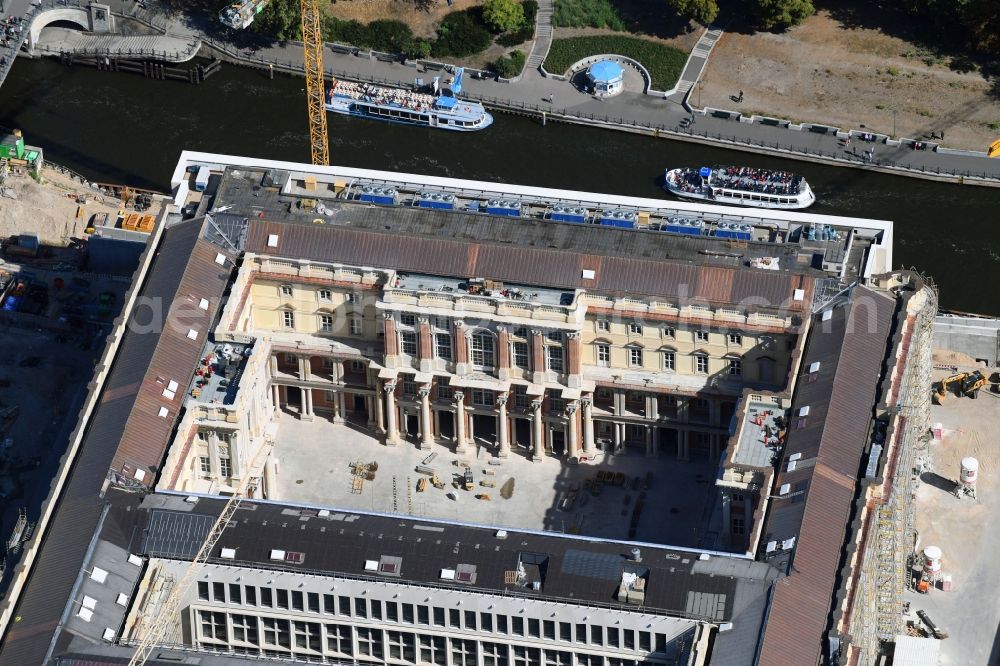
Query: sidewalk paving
[[631, 109]]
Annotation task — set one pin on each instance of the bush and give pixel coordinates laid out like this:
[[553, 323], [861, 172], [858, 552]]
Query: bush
[[508, 67], [664, 63], [587, 14], [382, 35], [527, 31], [503, 15], [462, 34], [781, 14]]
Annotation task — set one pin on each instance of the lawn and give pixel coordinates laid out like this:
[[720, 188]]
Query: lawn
[[664, 63], [586, 14]]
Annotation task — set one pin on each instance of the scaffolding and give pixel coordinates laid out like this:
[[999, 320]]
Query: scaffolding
[[877, 616]]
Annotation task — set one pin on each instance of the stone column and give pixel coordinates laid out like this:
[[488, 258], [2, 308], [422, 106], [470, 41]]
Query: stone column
[[391, 428], [426, 430], [338, 371], [341, 414], [683, 445], [618, 398], [273, 365], [276, 399], [425, 345], [305, 367], [574, 360], [270, 479], [379, 421], [307, 405], [573, 445], [461, 348], [370, 412], [390, 339], [538, 357], [503, 352], [459, 421], [588, 426], [652, 406], [649, 440], [537, 431], [619, 436], [503, 435]]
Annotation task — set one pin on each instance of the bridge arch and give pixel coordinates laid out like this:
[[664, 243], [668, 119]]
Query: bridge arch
[[76, 15]]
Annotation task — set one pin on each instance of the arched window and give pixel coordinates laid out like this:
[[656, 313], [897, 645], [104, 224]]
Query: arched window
[[483, 350]]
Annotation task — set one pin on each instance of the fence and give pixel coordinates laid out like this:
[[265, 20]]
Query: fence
[[136, 54]]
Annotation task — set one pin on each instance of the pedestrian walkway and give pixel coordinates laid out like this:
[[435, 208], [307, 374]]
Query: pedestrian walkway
[[147, 47], [543, 35], [696, 64]]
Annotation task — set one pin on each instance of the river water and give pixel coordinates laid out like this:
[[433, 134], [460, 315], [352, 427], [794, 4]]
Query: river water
[[122, 128]]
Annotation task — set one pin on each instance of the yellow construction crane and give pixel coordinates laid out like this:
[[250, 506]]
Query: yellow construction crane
[[312, 44], [152, 629]]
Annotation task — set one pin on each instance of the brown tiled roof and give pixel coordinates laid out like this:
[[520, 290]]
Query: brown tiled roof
[[677, 281], [851, 349], [176, 355]]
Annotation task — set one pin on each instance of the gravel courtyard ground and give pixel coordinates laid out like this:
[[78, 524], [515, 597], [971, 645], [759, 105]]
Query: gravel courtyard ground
[[825, 72]]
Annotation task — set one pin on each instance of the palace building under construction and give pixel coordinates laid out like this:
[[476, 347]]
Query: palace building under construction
[[457, 423]]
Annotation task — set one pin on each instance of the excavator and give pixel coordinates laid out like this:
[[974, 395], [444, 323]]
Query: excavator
[[968, 384]]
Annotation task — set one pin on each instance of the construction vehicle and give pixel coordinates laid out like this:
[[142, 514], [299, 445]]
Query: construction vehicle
[[312, 45], [241, 14], [968, 384]]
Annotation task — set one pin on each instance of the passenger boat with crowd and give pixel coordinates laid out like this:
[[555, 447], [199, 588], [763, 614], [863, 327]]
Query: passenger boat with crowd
[[437, 107], [741, 186]]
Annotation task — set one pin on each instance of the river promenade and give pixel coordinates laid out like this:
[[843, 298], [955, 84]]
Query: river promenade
[[661, 115]]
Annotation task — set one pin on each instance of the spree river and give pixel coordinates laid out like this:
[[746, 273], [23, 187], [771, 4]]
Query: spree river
[[116, 127]]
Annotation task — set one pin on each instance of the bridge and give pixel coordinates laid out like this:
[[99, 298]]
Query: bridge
[[98, 37]]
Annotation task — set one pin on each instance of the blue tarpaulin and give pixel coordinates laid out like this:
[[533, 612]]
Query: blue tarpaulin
[[705, 172]]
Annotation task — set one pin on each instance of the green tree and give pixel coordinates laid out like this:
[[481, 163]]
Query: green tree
[[982, 18], [280, 20], [418, 48], [782, 13], [702, 11], [503, 15]]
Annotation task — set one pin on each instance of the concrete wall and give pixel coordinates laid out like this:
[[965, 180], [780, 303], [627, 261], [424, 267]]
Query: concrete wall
[[979, 337]]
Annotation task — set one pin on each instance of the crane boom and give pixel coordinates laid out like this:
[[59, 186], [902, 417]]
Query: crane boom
[[167, 613], [312, 44]]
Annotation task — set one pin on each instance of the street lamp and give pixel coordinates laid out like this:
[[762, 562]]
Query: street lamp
[[894, 123]]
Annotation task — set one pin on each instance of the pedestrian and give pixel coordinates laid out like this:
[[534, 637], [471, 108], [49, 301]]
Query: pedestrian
[[740, 98]]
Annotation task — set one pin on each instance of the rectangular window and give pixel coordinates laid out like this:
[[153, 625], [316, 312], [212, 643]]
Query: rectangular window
[[565, 631], [282, 599], [549, 630], [738, 525], [463, 652], [494, 654], [483, 397], [324, 295], [408, 343], [613, 637], [288, 319], [438, 617], [408, 614], [603, 326], [556, 405], [407, 319], [250, 594], [534, 628], [486, 621], [235, 593], [266, 599], [520, 354], [339, 639], [244, 628], [286, 290], [203, 590], [596, 634], [441, 323], [442, 346], [501, 624], [555, 356], [669, 360], [225, 468], [376, 609], [701, 336], [345, 605], [635, 357], [635, 329], [470, 620], [520, 397], [454, 618], [735, 366], [351, 298], [370, 642], [482, 350], [735, 339], [644, 642], [581, 633], [329, 604], [219, 592], [629, 639], [356, 326], [276, 632], [669, 332], [433, 650], [213, 625], [517, 626], [701, 364], [326, 323], [604, 356], [360, 608], [312, 598], [205, 464], [391, 611]]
